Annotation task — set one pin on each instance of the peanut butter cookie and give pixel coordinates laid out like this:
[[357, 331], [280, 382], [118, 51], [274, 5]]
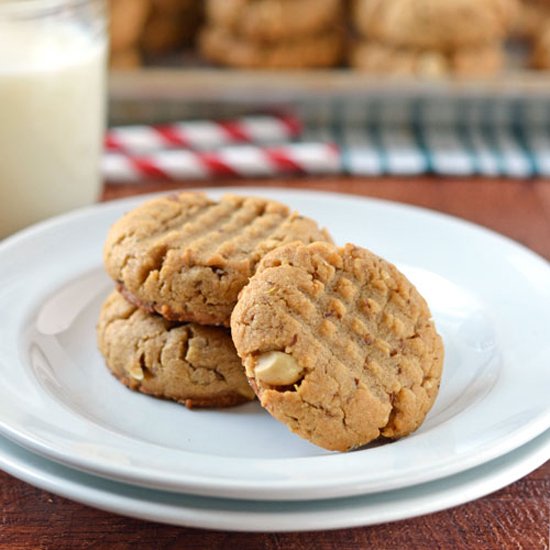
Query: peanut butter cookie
[[438, 24], [273, 20], [338, 345], [191, 364], [220, 46], [187, 257]]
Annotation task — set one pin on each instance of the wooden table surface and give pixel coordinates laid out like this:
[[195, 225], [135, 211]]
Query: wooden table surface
[[517, 516]]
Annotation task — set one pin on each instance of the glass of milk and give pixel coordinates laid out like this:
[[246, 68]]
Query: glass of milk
[[52, 107]]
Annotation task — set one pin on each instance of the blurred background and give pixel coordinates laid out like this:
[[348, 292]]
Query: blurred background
[[399, 87]]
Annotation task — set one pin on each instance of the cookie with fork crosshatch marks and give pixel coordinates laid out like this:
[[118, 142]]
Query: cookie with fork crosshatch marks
[[338, 345], [186, 256]]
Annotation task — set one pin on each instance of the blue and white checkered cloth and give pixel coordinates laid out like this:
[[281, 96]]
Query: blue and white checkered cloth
[[451, 137]]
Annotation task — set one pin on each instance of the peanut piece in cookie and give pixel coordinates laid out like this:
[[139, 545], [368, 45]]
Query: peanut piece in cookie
[[136, 372], [277, 369]]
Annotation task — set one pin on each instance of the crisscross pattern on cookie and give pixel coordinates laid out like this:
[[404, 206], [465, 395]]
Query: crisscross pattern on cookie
[[361, 333], [187, 257]]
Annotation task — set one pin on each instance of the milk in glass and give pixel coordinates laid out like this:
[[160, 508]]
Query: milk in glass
[[52, 99]]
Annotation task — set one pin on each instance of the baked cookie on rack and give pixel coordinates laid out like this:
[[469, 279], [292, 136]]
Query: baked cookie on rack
[[434, 24], [338, 345], [378, 58], [273, 34], [312, 51], [187, 257], [273, 20], [191, 364]]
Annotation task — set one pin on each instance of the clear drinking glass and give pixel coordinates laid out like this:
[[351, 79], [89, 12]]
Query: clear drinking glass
[[52, 107]]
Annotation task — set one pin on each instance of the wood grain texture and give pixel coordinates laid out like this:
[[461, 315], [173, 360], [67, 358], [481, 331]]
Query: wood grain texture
[[517, 517]]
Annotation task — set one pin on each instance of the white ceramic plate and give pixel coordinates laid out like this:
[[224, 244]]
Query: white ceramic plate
[[490, 299], [243, 515]]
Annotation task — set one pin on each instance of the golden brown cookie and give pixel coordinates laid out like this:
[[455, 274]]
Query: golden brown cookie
[[434, 24], [338, 344], [187, 257], [273, 20], [378, 58], [194, 365], [221, 47]]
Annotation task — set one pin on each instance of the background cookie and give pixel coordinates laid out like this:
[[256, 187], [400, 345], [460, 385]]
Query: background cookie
[[434, 23], [187, 257], [191, 364], [338, 344], [381, 59], [321, 50], [273, 20]]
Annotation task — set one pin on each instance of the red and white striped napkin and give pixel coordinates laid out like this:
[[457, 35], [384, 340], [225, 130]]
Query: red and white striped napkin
[[258, 146]]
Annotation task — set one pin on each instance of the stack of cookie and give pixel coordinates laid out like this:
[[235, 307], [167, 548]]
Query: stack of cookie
[[335, 342], [431, 37], [273, 34], [180, 263]]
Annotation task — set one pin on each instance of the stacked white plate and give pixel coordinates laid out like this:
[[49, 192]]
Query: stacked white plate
[[68, 426]]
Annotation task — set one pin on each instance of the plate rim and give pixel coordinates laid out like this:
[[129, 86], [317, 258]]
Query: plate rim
[[468, 486]]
